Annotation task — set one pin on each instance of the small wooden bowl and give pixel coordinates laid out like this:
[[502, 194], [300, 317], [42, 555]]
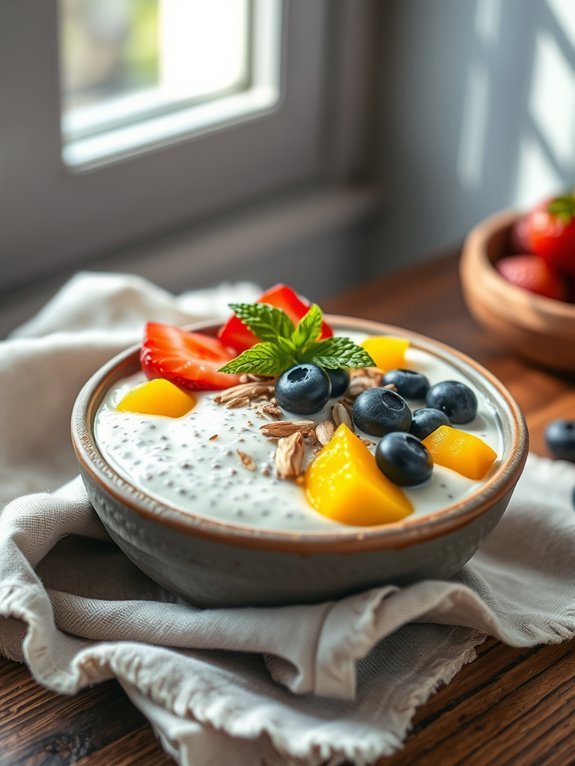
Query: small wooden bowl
[[538, 328]]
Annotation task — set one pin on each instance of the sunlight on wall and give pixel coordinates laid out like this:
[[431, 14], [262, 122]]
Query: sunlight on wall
[[547, 151], [536, 176], [488, 20], [472, 143], [563, 12], [552, 98], [470, 158]]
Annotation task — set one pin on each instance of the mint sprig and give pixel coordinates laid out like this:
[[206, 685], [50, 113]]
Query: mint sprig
[[285, 345], [265, 321]]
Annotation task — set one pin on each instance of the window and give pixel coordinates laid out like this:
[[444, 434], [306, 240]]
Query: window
[[90, 164], [135, 73]]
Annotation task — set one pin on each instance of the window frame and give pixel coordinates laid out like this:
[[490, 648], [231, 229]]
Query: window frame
[[52, 217]]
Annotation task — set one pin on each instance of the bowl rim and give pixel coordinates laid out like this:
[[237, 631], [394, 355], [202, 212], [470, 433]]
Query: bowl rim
[[395, 535]]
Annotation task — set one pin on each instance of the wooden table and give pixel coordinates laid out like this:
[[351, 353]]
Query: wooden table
[[508, 707]]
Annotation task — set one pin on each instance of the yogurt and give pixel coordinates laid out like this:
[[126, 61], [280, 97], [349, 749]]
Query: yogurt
[[194, 462]]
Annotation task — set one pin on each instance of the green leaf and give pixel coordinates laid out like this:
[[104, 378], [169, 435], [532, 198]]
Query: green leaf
[[563, 207], [261, 359], [338, 353], [284, 345], [265, 321], [308, 330]]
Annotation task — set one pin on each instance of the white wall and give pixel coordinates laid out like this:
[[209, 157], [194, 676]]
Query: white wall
[[477, 114]]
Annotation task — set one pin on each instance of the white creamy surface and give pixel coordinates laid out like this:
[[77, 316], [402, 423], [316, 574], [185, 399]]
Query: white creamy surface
[[176, 459]]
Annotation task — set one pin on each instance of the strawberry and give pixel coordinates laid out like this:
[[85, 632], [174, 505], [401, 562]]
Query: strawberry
[[531, 273], [235, 334], [519, 236], [190, 360], [551, 232]]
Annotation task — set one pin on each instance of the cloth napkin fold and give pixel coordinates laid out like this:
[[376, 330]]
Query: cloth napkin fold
[[301, 684]]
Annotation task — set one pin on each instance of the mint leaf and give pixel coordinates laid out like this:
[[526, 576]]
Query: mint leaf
[[308, 330], [338, 353], [284, 345], [265, 321], [287, 346], [261, 359]]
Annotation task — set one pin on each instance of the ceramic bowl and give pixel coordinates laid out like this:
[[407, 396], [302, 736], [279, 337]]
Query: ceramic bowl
[[214, 564], [538, 328]]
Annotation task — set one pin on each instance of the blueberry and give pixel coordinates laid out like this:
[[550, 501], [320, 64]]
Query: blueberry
[[560, 438], [403, 459], [379, 411], [409, 384], [339, 381], [453, 398], [303, 389], [425, 420]]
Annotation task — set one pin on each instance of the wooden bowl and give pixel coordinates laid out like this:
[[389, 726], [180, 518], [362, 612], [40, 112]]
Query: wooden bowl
[[214, 563], [538, 328]]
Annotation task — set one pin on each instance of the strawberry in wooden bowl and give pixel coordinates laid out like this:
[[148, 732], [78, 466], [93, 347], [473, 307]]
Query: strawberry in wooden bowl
[[518, 280]]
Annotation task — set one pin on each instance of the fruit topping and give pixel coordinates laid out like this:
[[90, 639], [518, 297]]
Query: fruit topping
[[157, 397], [453, 398], [403, 459], [190, 360], [425, 420], [533, 274], [461, 451], [408, 383], [379, 411], [339, 381], [560, 439], [387, 351], [551, 232], [345, 484], [285, 345], [236, 333], [303, 389]]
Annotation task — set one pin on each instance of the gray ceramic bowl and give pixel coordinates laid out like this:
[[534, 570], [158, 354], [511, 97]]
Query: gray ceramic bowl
[[212, 563]]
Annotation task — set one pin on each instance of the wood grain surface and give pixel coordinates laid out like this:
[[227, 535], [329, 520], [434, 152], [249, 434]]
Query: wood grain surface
[[509, 707]]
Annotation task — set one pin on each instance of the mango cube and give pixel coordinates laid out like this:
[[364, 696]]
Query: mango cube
[[157, 397], [461, 451], [345, 484], [387, 351]]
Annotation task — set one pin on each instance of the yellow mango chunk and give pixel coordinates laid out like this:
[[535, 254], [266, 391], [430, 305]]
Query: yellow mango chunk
[[157, 397], [463, 452], [387, 351], [345, 484]]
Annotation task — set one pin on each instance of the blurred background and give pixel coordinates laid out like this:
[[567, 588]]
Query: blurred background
[[316, 142]]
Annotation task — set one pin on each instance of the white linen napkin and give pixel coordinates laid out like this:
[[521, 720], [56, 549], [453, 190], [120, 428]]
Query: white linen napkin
[[303, 684]]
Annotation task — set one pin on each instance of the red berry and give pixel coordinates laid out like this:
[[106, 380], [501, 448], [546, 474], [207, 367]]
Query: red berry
[[531, 273], [235, 334], [519, 236], [551, 232], [190, 360]]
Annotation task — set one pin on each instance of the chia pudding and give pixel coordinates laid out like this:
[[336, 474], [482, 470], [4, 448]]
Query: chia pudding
[[215, 462]]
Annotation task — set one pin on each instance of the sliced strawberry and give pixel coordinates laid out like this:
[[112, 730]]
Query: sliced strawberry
[[190, 360], [235, 334], [532, 273]]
